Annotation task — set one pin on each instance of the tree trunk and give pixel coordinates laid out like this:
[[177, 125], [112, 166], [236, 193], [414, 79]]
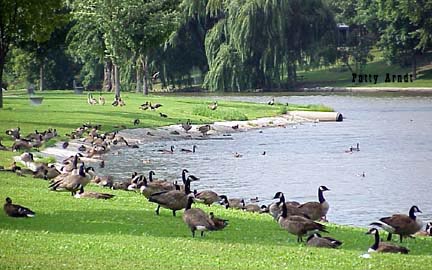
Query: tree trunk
[[138, 75], [145, 75], [41, 68], [3, 52], [107, 84], [414, 66], [2, 62], [116, 80]]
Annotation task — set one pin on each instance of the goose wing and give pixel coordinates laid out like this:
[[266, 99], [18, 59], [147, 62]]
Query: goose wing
[[312, 209]]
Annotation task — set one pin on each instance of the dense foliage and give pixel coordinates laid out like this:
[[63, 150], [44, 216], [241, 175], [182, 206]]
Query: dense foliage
[[219, 45]]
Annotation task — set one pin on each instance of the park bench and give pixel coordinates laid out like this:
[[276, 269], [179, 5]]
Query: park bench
[[34, 100], [77, 89]]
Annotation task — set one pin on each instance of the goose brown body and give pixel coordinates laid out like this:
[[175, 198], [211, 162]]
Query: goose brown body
[[404, 225], [379, 246], [196, 218], [15, 210]]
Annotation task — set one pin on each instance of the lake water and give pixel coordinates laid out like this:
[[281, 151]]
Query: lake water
[[395, 154]]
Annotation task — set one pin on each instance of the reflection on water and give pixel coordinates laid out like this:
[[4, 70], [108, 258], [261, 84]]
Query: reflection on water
[[395, 155]]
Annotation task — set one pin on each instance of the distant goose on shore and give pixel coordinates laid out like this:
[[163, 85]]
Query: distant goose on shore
[[189, 150], [204, 129], [207, 197], [271, 102], [232, 203], [163, 115], [15, 210], [101, 100], [387, 247], [187, 126], [136, 122], [404, 225], [237, 155], [235, 127], [213, 106], [165, 151], [317, 210]]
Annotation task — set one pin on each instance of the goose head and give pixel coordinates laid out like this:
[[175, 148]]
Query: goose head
[[372, 231], [8, 200], [278, 195], [324, 188]]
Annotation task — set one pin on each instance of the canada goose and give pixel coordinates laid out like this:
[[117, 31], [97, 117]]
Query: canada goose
[[275, 209], [73, 182], [82, 148], [316, 210], [163, 115], [65, 145], [298, 225], [14, 133], [263, 153], [27, 158], [188, 150], [357, 148], [186, 126], [379, 246], [116, 101], [213, 106], [164, 151], [196, 218], [271, 102], [101, 100], [46, 172], [15, 210], [401, 224], [204, 129], [252, 208], [165, 184], [173, 199], [219, 223], [93, 195], [315, 240], [254, 200], [136, 122], [91, 100], [232, 203], [206, 196], [157, 105], [237, 155], [427, 231], [21, 145]]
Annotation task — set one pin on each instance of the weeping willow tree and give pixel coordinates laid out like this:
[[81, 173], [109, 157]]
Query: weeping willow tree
[[260, 43]]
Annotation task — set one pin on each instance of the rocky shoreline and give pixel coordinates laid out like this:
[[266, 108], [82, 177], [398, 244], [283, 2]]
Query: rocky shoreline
[[219, 130]]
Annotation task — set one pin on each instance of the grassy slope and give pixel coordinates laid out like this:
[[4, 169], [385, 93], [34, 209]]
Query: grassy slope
[[125, 233], [66, 111], [336, 77]]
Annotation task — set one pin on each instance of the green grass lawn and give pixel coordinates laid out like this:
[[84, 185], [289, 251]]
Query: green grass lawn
[[125, 233], [342, 77]]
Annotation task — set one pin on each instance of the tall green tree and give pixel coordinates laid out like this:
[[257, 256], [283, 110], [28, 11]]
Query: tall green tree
[[260, 43], [22, 20], [406, 28], [125, 32]]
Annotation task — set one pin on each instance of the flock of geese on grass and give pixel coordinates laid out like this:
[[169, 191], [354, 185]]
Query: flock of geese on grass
[[296, 218], [299, 219]]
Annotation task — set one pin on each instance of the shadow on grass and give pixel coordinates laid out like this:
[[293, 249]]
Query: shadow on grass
[[241, 230]]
